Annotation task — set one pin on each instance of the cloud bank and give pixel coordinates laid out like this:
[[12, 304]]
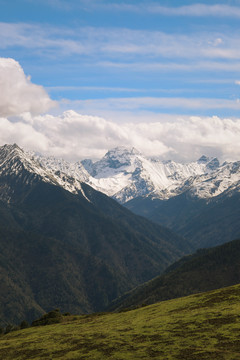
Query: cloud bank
[[18, 94], [70, 135], [73, 136]]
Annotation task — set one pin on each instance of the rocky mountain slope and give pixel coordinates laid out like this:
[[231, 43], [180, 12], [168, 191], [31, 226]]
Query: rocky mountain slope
[[198, 200], [207, 210], [65, 245]]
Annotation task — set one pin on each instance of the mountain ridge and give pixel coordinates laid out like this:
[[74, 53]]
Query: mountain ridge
[[197, 200], [205, 270], [70, 247], [13, 160], [125, 174]]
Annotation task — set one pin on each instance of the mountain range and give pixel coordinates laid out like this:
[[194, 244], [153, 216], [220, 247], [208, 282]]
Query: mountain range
[[198, 200], [125, 174], [63, 244]]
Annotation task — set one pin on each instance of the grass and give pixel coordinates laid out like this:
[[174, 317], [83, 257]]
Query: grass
[[203, 326]]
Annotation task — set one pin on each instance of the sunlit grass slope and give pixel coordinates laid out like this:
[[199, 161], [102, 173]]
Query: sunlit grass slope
[[202, 326]]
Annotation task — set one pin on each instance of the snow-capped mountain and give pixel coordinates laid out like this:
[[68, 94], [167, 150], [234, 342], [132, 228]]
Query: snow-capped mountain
[[27, 169], [175, 195], [225, 178], [75, 170], [124, 174], [76, 249]]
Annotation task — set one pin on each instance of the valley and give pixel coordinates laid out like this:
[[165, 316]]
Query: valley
[[119, 180], [64, 244]]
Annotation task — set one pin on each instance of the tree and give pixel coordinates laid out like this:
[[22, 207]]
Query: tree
[[24, 324]]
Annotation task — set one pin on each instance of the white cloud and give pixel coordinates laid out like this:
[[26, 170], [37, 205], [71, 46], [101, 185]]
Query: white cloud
[[23, 134], [74, 136], [46, 41], [18, 94], [197, 10], [157, 104], [99, 88], [162, 66], [107, 44]]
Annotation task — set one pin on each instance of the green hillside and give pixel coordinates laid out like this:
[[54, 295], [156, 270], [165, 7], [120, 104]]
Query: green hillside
[[203, 326]]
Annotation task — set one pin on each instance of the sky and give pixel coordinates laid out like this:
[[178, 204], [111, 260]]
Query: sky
[[79, 77]]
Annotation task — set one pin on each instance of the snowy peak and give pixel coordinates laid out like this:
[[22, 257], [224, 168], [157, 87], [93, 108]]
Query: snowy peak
[[10, 148], [121, 151], [19, 168], [8, 152], [120, 156], [114, 161], [203, 160], [211, 163], [124, 173], [224, 178], [14, 160], [75, 170], [24, 169]]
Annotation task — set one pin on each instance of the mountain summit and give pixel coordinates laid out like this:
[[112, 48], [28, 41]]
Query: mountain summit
[[125, 174], [26, 170]]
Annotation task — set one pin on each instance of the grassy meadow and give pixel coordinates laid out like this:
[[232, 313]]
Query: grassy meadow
[[203, 326]]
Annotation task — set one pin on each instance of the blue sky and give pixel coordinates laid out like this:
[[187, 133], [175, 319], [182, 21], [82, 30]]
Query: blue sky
[[99, 49], [129, 61]]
